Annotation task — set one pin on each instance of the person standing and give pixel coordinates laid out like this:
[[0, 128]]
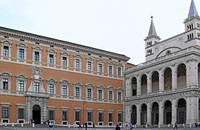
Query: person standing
[[175, 125], [79, 126], [86, 126], [117, 127]]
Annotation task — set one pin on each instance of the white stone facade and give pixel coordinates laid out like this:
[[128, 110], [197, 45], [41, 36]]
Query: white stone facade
[[166, 88]]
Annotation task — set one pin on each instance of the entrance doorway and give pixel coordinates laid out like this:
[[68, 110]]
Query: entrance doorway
[[36, 114]]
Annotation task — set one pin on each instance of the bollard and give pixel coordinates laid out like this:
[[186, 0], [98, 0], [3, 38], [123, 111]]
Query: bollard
[[22, 124], [33, 125], [13, 124], [5, 124], [69, 126], [146, 125]]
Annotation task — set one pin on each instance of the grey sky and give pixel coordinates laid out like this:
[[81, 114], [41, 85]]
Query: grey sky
[[115, 25]]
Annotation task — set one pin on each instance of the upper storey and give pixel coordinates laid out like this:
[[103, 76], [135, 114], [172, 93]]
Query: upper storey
[[31, 49], [191, 37]]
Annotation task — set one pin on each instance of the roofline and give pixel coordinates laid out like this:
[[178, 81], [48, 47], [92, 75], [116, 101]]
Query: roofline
[[49, 40]]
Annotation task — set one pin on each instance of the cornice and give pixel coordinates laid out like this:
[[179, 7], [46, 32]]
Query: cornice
[[74, 46]]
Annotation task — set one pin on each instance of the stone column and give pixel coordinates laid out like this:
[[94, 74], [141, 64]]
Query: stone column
[[174, 111], [139, 86], [192, 111], [161, 81], [174, 78], [128, 88], [149, 109], [127, 113], [192, 73], [161, 113], [149, 83], [138, 115]]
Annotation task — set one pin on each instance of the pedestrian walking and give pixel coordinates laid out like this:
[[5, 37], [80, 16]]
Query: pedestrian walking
[[130, 125], [86, 126], [117, 127], [175, 125], [51, 126], [79, 126]]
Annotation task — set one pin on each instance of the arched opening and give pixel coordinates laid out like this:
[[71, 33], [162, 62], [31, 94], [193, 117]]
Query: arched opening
[[181, 76], [168, 79], [36, 114], [144, 85], [155, 82], [155, 113], [181, 112], [167, 112], [199, 73], [134, 115], [199, 110], [134, 86], [144, 114]]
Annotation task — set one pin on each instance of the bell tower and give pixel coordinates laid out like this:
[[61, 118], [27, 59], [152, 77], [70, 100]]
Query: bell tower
[[151, 40]]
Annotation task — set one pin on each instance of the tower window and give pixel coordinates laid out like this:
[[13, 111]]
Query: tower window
[[149, 43]]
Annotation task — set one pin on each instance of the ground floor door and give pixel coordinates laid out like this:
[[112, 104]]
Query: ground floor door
[[36, 114]]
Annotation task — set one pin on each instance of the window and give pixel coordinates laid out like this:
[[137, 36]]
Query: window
[[37, 56], [36, 87], [110, 117], [119, 96], [77, 116], [5, 112], [51, 89], [119, 117], [77, 92], [5, 84], [65, 61], [65, 115], [89, 66], [51, 59], [100, 68], [100, 94], [64, 90], [21, 54], [64, 85], [119, 71], [100, 116], [110, 95], [21, 113], [21, 85], [90, 116], [77, 64], [89, 93], [6, 51], [51, 115], [110, 70]]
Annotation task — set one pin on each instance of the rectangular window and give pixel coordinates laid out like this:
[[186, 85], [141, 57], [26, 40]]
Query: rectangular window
[[89, 93], [110, 70], [51, 114], [77, 116], [21, 54], [77, 64], [119, 71], [21, 85], [36, 87], [119, 117], [65, 115], [5, 84], [89, 116], [100, 94], [37, 56], [110, 94], [6, 51], [51, 89], [119, 96], [110, 117], [100, 116], [65, 61], [89, 66], [64, 90], [5, 112], [77, 92], [100, 68], [20, 113], [51, 59]]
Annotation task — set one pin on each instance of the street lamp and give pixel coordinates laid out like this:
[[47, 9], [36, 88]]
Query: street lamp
[[83, 110]]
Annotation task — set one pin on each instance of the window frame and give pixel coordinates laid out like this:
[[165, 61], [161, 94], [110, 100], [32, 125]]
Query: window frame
[[64, 83], [100, 87], [50, 83], [22, 46], [65, 55], [21, 78], [100, 61], [89, 86], [77, 58], [7, 76], [39, 50], [77, 85]]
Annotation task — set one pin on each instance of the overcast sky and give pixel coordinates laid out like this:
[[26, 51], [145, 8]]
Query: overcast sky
[[114, 25]]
